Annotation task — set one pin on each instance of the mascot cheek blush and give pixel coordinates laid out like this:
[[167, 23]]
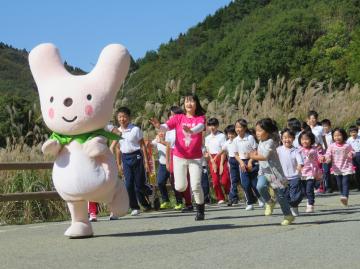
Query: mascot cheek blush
[[77, 109]]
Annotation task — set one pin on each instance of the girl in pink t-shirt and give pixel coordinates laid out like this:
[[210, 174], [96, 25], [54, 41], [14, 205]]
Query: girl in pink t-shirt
[[188, 148], [311, 170], [340, 155]]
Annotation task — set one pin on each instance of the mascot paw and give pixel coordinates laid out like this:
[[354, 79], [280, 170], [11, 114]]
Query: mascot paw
[[95, 147], [79, 230], [51, 147]]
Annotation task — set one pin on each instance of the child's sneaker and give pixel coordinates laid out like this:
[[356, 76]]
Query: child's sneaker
[[135, 212], [249, 207], [221, 202], [287, 220], [179, 207], [309, 209], [344, 200], [269, 208], [93, 217], [294, 211], [165, 205], [261, 204]]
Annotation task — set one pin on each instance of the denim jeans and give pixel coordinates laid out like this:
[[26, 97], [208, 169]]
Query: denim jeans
[[294, 193], [343, 184], [263, 188], [135, 180], [307, 187], [162, 177]]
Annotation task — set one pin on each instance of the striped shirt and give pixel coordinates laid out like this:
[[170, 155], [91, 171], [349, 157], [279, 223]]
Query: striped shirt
[[311, 168], [341, 158]]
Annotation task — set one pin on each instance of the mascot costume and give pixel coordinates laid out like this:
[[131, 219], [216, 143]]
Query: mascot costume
[[77, 109]]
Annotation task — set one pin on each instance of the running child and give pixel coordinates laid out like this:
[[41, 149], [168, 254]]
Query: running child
[[245, 143], [354, 141], [187, 151], [217, 162], [292, 163], [340, 154], [311, 170], [270, 170]]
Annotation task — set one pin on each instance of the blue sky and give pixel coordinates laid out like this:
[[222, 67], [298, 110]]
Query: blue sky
[[80, 29]]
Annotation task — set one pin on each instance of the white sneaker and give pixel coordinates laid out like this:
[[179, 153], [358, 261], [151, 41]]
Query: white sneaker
[[135, 212], [294, 211], [249, 207], [261, 204], [221, 202]]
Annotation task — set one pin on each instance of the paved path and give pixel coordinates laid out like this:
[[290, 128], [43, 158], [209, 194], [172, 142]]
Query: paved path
[[230, 238]]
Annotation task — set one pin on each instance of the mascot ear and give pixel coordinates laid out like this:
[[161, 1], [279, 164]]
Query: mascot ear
[[112, 66], [45, 63]]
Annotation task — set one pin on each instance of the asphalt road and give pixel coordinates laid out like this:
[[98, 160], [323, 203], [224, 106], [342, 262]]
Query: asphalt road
[[230, 237]]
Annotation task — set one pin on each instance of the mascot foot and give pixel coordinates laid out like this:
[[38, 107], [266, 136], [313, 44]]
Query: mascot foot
[[79, 230]]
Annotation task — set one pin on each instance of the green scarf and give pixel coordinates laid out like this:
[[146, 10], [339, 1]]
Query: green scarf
[[82, 138]]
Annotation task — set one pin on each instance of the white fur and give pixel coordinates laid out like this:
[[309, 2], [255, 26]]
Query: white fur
[[82, 172]]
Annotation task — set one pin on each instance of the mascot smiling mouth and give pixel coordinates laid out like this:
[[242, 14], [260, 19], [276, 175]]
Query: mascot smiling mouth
[[65, 119]]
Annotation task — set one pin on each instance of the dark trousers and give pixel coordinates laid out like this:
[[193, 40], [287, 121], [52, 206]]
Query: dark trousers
[[205, 183], [343, 184], [327, 176], [294, 192], [234, 178], [249, 182], [307, 187], [356, 162], [162, 177], [135, 179]]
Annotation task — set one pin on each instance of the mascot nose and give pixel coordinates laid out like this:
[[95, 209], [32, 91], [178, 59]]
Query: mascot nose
[[68, 102]]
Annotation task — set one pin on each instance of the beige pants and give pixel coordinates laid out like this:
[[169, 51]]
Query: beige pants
[[181, 168]]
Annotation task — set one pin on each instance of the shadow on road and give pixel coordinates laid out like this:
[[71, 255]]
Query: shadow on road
[[204, 228]]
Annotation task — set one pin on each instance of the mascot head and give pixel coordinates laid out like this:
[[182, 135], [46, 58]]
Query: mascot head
[[71, 104]]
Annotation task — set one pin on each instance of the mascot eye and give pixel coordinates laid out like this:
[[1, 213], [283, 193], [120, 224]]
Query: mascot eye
[[89, 97], [51, 99]]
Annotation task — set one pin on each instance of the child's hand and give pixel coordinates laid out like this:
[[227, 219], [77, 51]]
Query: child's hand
[[155, 122], [322, 159], [249, 166], [299, 168], [242, 166], [350, 154], [187, 129], [214, 167], [216, 156], [253, 154]]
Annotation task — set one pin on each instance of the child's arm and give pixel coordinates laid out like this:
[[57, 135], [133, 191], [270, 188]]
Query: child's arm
[[222, 160], [118, 160], [257, 157], [250, 165], [241, 162], [212, 160], [144, 151], [328, 155], [113, 145], [168, 156]]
